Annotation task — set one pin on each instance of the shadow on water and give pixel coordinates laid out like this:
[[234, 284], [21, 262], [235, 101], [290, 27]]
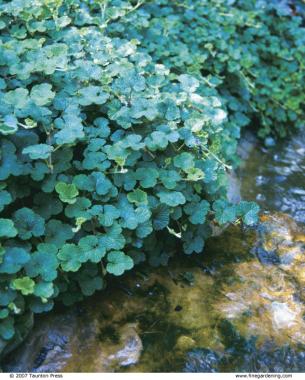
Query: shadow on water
[[239, 306]]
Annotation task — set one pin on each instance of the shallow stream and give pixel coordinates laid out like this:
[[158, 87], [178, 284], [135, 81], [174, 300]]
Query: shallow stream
[[237, 307]]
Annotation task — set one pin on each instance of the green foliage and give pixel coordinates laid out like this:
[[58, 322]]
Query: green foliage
[[118, 122], [249, 212], [137, 196], [24, 284], [118, 263], [8, 125], [28, 223], [67, 193], [41, 94], [92, 248], [39, 151], [43, 263], [13, 260], [171, 198], [251, 53], [7, 228], [71, 257]]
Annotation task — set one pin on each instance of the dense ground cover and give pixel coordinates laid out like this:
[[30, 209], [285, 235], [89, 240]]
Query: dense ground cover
[[119, 123]]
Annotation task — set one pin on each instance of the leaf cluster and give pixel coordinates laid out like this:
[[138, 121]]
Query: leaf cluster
[[250, 53], [118, 124]]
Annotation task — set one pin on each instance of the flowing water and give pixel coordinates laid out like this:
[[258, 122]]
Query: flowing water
[[239, 306], [275, 177]]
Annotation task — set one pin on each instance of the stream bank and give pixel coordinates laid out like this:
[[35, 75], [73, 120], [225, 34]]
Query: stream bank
[[239, 306]]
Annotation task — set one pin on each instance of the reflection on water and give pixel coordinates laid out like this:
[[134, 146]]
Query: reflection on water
[[237, 307], [275, 177]]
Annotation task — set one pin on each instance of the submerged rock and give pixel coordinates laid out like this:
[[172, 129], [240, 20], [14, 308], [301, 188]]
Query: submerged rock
[[280, 235], [202, 360], [65, 342], [270, 358], [282, 315], [131, 348], [48, 347]]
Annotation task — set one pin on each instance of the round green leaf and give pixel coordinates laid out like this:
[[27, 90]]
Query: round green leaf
[[24, 284], [14, 259], [39, 151], [137, 196], [67, 192], [7, 228], [42, 94], [171, 198], [28, 223], [71, 257], [118, 263]]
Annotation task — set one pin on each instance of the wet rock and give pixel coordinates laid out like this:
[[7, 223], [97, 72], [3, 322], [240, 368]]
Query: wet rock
[[105, 352], [269, 358], [48, 347], [202, 360], [267, 257], [283, 316], [281, 241], [67, 343], [131, 349], [261, 303]]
